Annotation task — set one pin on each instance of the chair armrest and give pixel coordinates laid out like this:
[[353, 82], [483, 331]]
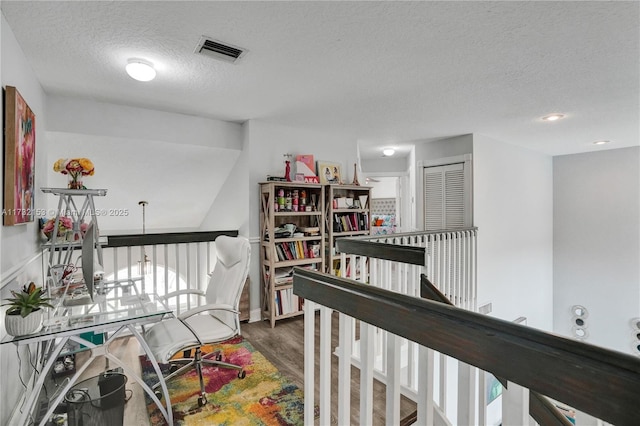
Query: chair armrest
[[208, 307], [181, 292]]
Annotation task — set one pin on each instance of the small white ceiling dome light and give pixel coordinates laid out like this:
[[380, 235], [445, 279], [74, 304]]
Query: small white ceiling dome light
[[602, 142], [553, 117], [388, 152], [140, 70]]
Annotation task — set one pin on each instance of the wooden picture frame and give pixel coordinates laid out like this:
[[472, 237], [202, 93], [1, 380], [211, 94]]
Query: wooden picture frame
[[19, 159], [329, 172]]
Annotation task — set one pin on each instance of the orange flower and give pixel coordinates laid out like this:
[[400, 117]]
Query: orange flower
[[87, 166]]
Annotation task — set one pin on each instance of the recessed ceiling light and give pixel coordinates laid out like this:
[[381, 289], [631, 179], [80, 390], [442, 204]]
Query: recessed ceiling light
[[601, 142], [552, 117], [140, 70], [388, 152]]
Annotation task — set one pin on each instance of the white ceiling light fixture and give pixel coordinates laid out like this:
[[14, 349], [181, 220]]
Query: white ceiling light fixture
[[140, 70], [388, 152], [553, 117], [602, 142]]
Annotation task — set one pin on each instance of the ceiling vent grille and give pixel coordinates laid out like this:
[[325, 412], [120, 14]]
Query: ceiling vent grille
[[217, 49]]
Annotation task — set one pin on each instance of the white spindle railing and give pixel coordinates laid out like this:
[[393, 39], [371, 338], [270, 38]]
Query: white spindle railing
[[405, 367], [447, 390], [166, 273], [449, 263], [172, 267]]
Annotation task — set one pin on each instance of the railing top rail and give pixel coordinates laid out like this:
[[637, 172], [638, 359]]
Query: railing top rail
[[367, 246], [394, 252], [540, 408], [413, 234], [134, 240], [598, 381]]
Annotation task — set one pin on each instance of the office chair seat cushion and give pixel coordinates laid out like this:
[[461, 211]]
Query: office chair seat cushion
[[169, 337]]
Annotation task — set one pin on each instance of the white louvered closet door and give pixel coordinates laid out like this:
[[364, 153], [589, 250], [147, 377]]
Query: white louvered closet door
[[444, 197]]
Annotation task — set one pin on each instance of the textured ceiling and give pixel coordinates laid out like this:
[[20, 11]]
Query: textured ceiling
[[381, 72]]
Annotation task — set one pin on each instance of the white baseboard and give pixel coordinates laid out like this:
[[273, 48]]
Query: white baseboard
[[255, 315]]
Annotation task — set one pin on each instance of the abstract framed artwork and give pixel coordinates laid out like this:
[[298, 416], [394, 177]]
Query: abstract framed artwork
[[19, 159], [329, 172]]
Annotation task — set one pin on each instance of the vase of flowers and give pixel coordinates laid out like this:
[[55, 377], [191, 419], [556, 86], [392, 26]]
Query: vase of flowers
[[76, 169]]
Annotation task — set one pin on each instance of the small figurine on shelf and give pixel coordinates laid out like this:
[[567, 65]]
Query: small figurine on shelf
[[287, 168], [355, 175]]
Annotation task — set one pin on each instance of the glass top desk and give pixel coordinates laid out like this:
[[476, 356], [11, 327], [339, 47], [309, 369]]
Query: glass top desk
[[119, 308]]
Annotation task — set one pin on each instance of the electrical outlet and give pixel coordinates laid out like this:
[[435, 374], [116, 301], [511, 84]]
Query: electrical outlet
[[486, 308]]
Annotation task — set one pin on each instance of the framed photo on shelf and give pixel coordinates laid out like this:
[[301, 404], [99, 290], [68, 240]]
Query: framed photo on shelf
[[19, 159], [329, 172], [305, 165]]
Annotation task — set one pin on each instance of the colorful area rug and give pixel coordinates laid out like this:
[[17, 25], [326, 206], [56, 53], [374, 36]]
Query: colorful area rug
[[263, 397]]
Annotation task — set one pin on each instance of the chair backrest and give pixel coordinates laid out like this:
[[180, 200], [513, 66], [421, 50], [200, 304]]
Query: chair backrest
[[229, 275]]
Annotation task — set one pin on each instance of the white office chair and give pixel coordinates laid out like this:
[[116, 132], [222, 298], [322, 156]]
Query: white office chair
[[216, 321]]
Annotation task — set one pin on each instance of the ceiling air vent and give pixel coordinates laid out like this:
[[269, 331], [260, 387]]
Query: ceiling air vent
[[219, 50]]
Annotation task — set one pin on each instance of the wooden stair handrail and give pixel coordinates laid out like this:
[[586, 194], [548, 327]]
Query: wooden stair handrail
[[595, 380], [541, 409]]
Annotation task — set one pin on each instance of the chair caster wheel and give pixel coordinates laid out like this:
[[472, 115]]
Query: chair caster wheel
[[242, 374], [158, 395], [202, 401], [173, 368], [219, 357]]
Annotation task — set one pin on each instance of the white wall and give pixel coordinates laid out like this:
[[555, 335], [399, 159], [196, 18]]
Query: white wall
[[597, 243], [21, 242], [430, 149], [385, 165], [513, 212], [19, 245], [186, 167], [386, 187], [267, 143]]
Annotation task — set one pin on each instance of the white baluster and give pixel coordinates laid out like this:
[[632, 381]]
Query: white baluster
[[367, 355], [345, 350], [325, 365], [309, 361], [515, 405]]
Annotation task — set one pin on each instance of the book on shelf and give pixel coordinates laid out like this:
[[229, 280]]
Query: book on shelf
[[349, 222], [296, 250], [287, 302]]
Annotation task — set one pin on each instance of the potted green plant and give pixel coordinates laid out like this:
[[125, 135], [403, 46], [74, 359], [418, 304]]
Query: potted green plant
[[24, 315]]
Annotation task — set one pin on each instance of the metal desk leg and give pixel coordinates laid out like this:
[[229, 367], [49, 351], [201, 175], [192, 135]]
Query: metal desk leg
[[94, 350], [168, 414], [35, 392]]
